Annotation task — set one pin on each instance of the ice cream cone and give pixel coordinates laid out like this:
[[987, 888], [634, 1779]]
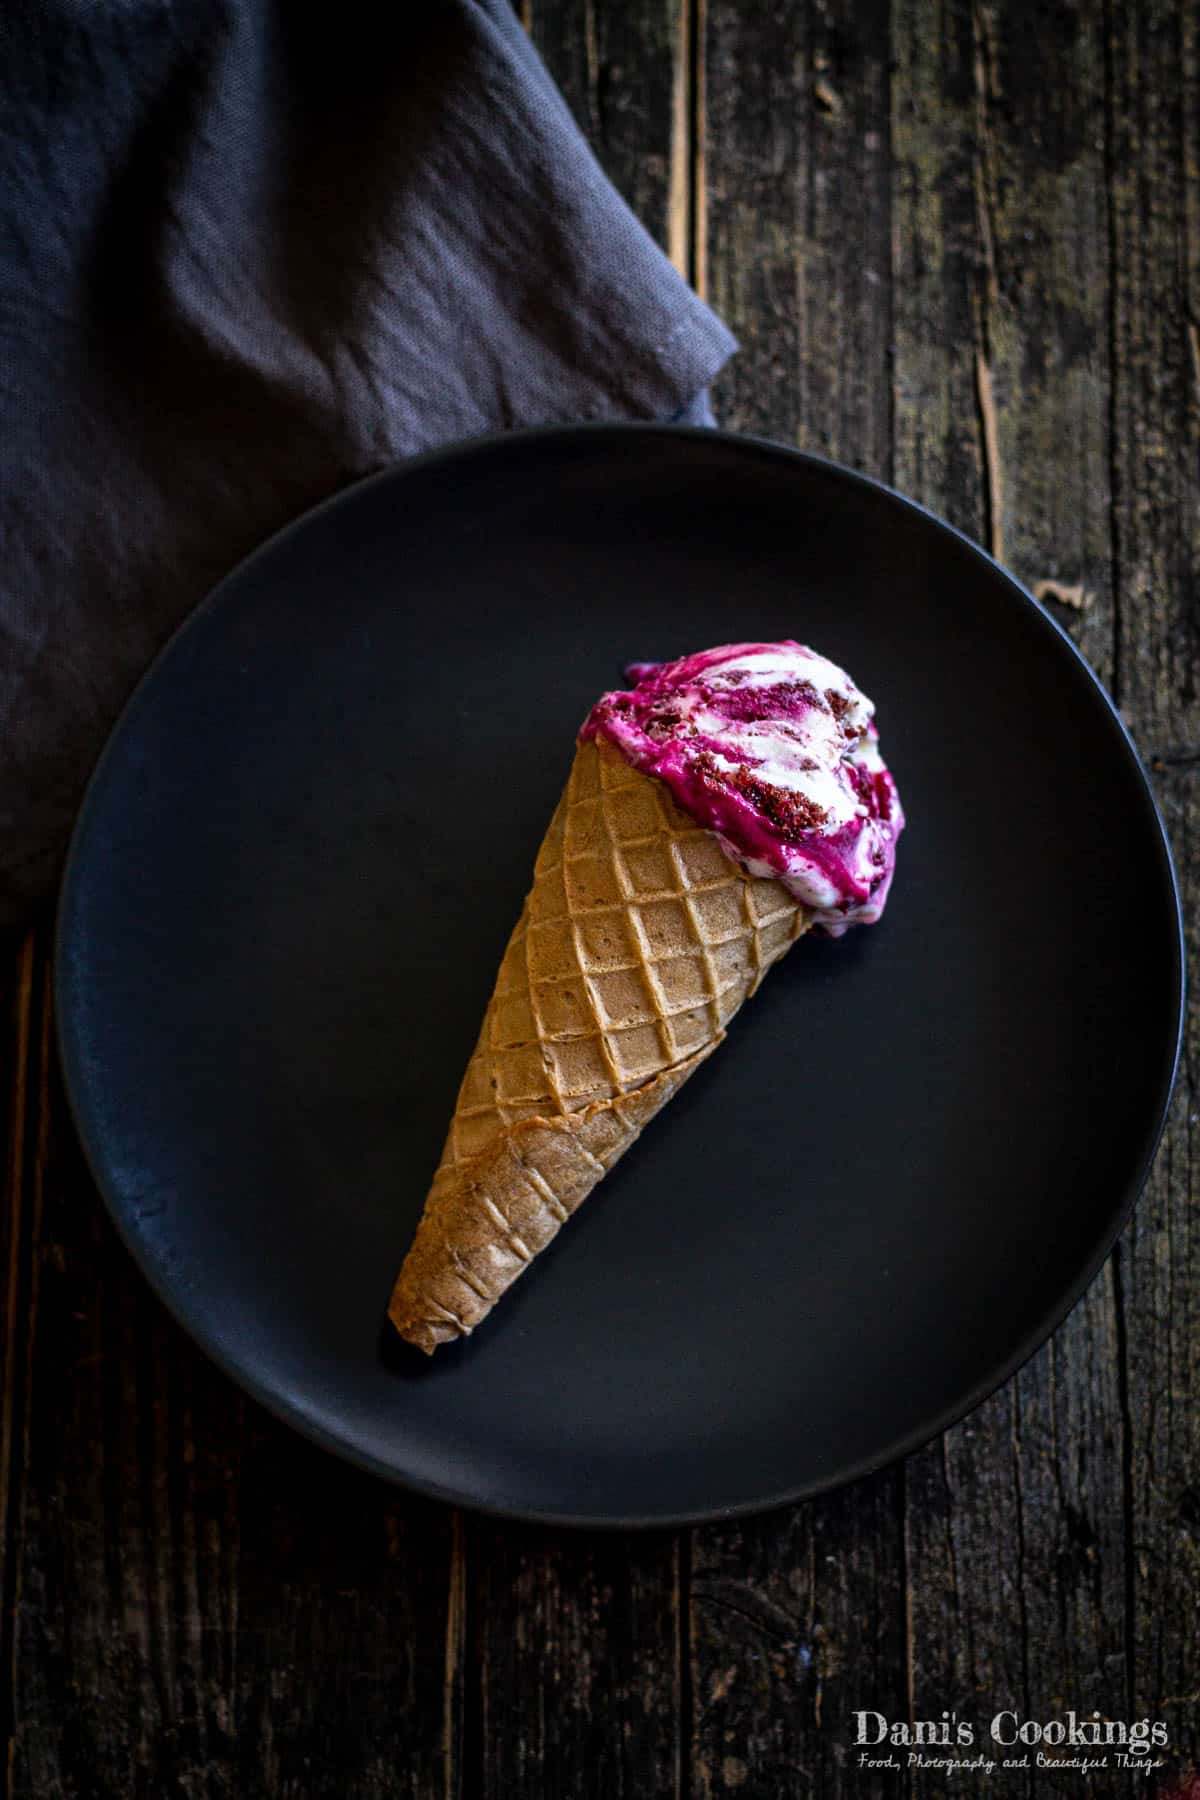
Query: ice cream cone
[[638, 942]]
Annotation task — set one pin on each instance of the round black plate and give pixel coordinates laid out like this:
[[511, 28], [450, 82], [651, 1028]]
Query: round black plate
[[299, 862]]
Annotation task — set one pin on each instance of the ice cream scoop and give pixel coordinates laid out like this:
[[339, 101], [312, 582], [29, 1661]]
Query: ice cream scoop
[[774, 748]]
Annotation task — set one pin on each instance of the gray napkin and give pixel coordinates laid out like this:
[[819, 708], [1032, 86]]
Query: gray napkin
[[250, 251]]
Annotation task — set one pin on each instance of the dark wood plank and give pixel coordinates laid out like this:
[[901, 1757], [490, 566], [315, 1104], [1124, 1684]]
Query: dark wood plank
[[1042, 307], [937, 452], [798, 227], [1016, 1543], [199, 1601], [1154, 151], [797, 1618], [576, 1641]]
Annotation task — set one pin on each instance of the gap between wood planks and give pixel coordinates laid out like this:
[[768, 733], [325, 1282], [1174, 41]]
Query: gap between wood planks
[[985, 299], [687, 242]]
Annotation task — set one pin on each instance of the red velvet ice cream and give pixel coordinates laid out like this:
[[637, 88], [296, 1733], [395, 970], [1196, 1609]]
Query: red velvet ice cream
[[774, 749]]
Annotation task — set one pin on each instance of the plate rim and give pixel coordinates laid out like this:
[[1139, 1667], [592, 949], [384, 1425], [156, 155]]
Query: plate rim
[[291, 1412]]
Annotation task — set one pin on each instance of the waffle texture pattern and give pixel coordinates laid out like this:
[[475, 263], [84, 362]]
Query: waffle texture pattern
[[635, 947]]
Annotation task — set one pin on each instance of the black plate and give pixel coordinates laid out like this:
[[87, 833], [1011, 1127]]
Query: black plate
[[299, 861]]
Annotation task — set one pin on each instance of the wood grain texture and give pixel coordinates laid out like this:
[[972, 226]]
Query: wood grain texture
[[797, 1618], [798, 222], [576, 1643], [937, 448]]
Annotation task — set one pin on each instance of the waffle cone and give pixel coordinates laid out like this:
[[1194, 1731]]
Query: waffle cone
[[635, 947]]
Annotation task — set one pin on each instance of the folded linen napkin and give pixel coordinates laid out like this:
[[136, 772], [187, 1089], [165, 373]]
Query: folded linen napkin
[[250, 252]]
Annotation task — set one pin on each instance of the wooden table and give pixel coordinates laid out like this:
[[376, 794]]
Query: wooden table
[[961, 248]]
